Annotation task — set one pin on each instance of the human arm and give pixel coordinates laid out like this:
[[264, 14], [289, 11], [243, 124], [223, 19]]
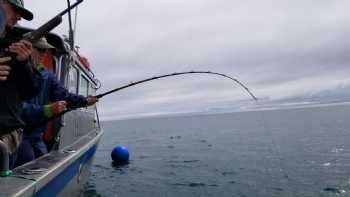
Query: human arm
[[35, 113], [32, 112], [58, 92]]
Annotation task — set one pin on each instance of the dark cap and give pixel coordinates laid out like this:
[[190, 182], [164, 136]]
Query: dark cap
[[18, 4]]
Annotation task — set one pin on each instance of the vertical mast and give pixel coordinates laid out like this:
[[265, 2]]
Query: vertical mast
[[70, 33]]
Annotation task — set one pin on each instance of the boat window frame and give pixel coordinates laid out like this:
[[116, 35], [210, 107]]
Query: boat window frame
[[73, 67], [81, 78], [92, 89]]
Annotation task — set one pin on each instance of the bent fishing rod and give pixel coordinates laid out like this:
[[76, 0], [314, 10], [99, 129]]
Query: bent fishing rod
[[175, 74], [30, 127]]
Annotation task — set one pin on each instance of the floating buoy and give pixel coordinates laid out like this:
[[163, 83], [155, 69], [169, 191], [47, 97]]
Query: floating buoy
[[120, 154]]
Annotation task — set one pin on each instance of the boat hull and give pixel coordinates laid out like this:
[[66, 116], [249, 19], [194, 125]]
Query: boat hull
[[59, 173], [71, 181]]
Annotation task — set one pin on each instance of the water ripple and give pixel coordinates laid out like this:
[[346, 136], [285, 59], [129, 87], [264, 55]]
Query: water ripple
[[334, 190], [193, 184]]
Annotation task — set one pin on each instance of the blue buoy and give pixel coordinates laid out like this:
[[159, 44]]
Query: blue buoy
[[120, 154]]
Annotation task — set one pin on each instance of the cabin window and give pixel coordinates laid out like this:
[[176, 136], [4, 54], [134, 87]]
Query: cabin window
[[57, 67], [92, 90], [84, 86], [73, 80]]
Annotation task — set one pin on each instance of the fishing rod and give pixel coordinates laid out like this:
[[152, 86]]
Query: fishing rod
[[175, 74], [30, 127]]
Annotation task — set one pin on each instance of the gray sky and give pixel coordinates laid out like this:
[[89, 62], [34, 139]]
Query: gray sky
[[278, 48]]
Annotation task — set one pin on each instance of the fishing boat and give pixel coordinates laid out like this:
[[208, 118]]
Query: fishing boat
[[65, 169]]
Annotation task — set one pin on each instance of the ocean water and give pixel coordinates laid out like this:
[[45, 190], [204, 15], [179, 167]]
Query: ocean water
[[292, 152]]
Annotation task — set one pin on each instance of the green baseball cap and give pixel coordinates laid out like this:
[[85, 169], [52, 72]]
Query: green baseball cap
[[19, 6]]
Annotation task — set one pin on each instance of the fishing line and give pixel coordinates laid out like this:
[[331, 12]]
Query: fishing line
[[275, 150]]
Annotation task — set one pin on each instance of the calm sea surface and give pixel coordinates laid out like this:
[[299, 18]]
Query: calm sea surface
[[294, 152]]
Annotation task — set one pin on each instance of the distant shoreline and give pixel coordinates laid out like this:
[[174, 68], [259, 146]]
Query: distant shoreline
[[280, 106]]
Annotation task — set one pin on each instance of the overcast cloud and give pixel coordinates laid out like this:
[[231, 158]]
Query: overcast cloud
[[278, 48]]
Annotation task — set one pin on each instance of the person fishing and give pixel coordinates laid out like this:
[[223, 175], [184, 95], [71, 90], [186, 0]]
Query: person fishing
[[19, 81], [39, 108]]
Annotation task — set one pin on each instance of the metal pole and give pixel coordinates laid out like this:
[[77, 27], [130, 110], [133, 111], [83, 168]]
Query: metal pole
[[71, 39]]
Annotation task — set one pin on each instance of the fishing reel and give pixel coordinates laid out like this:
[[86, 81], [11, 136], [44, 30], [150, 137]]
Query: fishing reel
[[12, 62], [5, 43], [4, 52]]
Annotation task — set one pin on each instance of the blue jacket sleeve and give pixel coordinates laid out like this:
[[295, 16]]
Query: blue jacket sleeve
[[32, 113], [28, 79], [58, 92]]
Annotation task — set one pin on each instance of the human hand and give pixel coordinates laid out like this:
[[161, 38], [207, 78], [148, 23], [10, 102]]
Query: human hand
[[4, 69], [58, 106], [23, 49], [91, 100]]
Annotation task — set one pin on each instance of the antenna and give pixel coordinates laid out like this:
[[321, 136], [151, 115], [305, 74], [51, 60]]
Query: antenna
[[75, 22], [70, 33]]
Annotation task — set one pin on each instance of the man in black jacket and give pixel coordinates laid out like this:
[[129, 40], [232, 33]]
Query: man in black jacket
[[19, 81]]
